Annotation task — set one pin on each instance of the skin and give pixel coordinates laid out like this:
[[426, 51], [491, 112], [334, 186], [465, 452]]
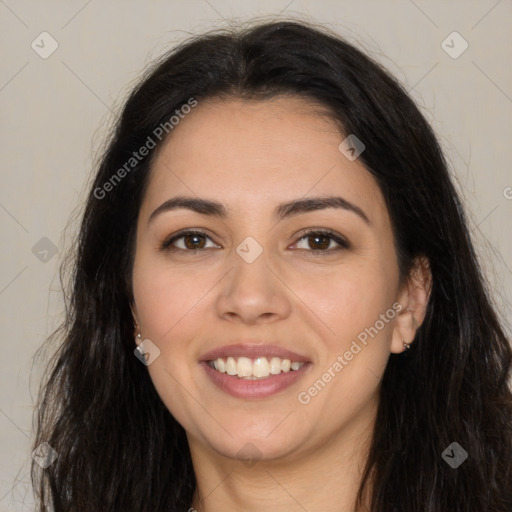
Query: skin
[[252, 156]]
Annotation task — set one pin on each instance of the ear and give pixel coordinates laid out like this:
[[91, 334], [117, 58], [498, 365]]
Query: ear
[[413, 298]]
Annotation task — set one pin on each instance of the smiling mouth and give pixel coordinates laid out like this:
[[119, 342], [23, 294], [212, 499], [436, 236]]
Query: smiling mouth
[[258, 368]]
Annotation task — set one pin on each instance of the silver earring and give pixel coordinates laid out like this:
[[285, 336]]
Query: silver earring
[[407, 346], [139, 348]]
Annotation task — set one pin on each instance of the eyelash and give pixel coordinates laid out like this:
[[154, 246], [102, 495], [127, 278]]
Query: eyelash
[[343, 244]]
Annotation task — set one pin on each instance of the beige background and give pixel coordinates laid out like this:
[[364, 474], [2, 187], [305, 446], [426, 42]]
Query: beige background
[[56, 111]]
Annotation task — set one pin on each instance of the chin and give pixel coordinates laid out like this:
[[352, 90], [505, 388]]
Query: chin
[[259, 442]]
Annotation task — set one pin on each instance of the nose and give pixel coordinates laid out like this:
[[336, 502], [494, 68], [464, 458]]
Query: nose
[[253, 291]]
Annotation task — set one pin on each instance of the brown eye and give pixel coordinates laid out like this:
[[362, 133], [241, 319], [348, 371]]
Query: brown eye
[[187, 241], [194, 241], [319, 242]]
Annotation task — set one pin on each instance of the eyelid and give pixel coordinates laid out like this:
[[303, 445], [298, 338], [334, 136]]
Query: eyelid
[[339, 239], [342, 242], [166, 244]]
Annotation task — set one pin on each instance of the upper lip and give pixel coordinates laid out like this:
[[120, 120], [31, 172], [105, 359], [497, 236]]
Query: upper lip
[[251, 351]]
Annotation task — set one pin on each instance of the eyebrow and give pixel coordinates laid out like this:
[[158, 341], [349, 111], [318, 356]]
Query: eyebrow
[[282, 211]]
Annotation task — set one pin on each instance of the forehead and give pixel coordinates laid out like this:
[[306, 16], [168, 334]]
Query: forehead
[[254, 154]]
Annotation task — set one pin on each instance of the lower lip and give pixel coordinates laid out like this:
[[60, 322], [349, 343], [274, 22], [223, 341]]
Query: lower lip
[[244, 388]]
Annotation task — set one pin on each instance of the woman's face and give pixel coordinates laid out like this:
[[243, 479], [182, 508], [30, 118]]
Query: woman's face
[[254, 286]]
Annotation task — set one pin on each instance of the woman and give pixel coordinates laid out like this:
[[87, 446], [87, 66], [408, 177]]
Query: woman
[[276, 302]]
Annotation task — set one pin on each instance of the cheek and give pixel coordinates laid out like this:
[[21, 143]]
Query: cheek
[[167, 308], [357, 346], [350, 300], [164, 296], [346, 379]]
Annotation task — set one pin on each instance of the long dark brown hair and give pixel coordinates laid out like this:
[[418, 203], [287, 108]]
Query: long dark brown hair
[[120, 449]]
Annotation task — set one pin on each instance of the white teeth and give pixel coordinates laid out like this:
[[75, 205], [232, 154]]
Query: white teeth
[[231, 366], [275, 365], [244, 367], [260, 368], [220, 365]]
